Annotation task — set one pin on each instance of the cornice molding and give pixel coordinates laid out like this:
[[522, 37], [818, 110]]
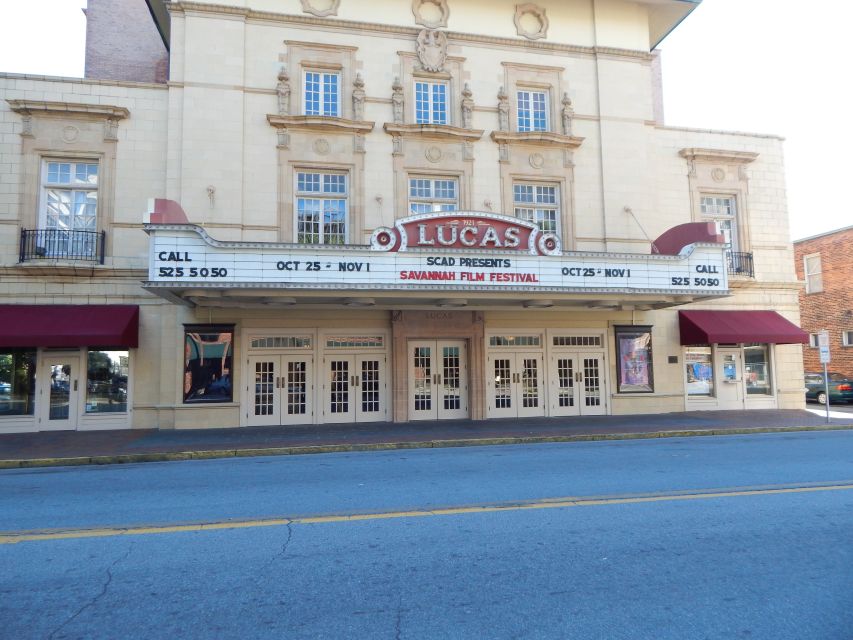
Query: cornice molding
[[320, 123], [355, 25], [537, 138], [42, 107], [717, 155], [441, 131]]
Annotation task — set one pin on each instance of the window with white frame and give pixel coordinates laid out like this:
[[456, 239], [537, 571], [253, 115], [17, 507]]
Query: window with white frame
[[69, 208], [431, 102], [428, 195], [722, 209], [532, 110], [814, 340], [847, 338], [537, 203], [814, 273], [322, 93], [321, 207]]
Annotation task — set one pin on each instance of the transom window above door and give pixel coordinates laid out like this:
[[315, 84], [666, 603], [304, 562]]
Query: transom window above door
[[321, 207], [537, 203], [532, 111], [429, 195], [431, 103], [322, 94]]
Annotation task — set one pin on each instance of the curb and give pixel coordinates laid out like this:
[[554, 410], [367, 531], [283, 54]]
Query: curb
[[389, 446]]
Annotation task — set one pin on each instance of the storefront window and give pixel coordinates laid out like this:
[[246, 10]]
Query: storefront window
[[634, 358], [106, 381], [700, 371], [17, 382], [757, 365], [208, 352]]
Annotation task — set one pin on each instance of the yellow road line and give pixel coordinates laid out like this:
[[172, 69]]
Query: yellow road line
[[12, 537]]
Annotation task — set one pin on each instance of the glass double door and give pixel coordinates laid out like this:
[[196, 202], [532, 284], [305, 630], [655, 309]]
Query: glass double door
[[355, 388], [438, 379], [281, 390], [577, 384], [515, 385]]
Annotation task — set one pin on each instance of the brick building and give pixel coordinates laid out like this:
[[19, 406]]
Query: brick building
[[825, 263], [346, 211]]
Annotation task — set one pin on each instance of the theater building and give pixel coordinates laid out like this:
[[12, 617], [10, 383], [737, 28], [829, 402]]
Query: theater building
[[338, 211]]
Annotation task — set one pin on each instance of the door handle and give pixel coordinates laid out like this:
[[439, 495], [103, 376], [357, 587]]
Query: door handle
[[435, 378], [75, 385], [438, 378], [352, 381], [357, 381]]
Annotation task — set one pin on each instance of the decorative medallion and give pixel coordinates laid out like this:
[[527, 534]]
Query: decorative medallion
[[537, 160], [433, 154], [321, 8], [70, 133], [531, 21], [431, 13], [432, 50], [321, 146], [718, 174]]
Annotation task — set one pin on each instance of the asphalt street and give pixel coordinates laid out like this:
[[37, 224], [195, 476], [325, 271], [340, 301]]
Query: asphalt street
[[722, 537]]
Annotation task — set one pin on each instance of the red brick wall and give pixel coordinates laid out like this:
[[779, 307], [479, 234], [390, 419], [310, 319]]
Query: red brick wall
[[122, 42], [831, 309]]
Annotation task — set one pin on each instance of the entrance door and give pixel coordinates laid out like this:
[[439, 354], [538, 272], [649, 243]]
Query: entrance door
[[60, 392], [281, 390], [514, 383], [577, 384], [730, 366], [438, 378], [354, 390]]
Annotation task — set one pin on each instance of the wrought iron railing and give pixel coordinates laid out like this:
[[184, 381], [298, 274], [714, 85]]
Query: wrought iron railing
[[59, 244], [740, 264]]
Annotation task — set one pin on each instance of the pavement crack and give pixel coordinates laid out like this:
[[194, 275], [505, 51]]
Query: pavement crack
[[281, 553], [104, 588], [398, 623]]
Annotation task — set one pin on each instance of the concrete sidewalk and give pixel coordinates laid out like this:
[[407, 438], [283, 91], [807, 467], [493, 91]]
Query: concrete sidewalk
[[144, 445]]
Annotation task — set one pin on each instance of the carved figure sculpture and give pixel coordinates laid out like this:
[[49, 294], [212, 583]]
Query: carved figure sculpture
[[432, 50], [358, 98], [397, 101], [283, 90], [503, 110], [467, 107], [568, 114]]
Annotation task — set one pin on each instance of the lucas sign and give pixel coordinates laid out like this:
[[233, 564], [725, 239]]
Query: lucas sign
[[458, 251]]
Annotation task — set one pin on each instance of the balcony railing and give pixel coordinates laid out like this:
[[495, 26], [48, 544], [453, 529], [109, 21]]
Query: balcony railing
[[740, 264], [59, 244]]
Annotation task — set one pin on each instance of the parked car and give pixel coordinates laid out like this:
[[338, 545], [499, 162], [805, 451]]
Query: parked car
[[840, 388]]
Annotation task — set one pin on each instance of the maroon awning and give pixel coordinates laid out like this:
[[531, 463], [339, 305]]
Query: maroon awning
[[715, 327], [69, 325]]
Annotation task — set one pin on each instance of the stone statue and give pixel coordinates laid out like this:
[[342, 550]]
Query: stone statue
[[432, 50], [358, 98], [283, 90], [503, 110], [568, 114], [467, 108], [397, 101]]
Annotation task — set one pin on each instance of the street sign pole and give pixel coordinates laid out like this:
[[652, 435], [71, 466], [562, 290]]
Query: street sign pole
[[823, 345]]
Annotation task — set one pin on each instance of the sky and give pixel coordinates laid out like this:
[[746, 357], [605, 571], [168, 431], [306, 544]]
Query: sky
[[761, 66]]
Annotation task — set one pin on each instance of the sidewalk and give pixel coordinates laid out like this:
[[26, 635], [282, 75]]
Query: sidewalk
[[144, 445]]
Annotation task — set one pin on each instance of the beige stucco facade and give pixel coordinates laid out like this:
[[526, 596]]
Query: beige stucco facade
[[228, 134]]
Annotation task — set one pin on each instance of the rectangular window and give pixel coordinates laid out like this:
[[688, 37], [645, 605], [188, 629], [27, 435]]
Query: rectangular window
[[69, 209], [428, 195], [533, 111], [756, 359], [321, 208], [208, 355], [106, 381], [814, 273], [634, 359], [813, 340], [847, 338], [722, 210], [700, 371], [17, 382], [515, 341], [322, 94], [431, 103], [537, 203]]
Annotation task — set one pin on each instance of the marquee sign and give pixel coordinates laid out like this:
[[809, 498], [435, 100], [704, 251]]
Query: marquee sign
[[425, 253]]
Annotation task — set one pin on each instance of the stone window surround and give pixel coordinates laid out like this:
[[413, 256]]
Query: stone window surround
[[453, 75], [563, 182], [720, 172], [463, 191], [311, 56], [46, 122], [518, 76]]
